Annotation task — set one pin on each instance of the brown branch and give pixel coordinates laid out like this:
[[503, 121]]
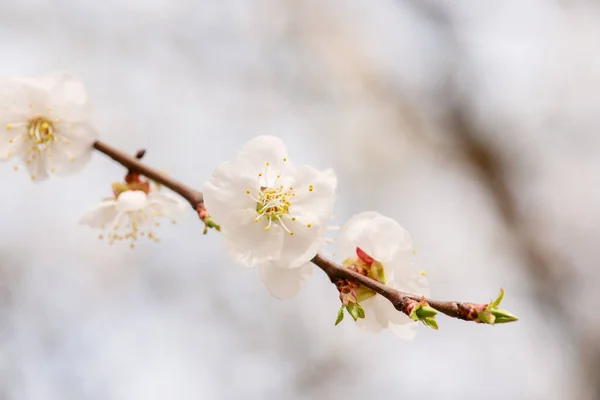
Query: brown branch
[[194, 197], [397, 298], [400, 300]]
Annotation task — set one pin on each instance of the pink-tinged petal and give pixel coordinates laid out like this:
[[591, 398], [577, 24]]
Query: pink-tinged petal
[[100, 215], [225, 192], [248, 242], [284, 283]]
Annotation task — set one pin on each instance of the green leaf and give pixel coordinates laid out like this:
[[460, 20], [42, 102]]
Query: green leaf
[[430, 322], [503, 316], [355, 311], [486, 316], [361, 312], [426, 311], [340, 315], [496, 302]]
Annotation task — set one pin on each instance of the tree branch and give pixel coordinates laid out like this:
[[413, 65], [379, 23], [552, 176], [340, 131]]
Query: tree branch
[[402, 301], [194, 197]]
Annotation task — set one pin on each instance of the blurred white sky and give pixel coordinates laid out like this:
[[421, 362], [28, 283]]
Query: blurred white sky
[[359, 86]]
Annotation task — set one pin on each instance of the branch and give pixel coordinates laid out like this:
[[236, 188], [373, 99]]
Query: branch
[[402, 301], [194, 197]]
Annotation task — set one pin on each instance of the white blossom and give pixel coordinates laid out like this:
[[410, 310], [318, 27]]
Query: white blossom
[[45, 122], [132, 214], [269, 210], [387, 243]]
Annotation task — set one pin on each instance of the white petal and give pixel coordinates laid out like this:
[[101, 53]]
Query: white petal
[[413, 282], [225, 191], [100, 215], [322, 198], [167, 204], [68, 159], [247, 241], [354, 234], [20, 100], [67, 96], [131, 200], [304, 244], [38, 167], [284, 283], [397, 321], [12, 142], [261, 150], [380, 237], [369, 323]]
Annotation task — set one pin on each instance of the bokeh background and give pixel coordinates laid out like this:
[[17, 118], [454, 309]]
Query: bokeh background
[[472, 123]]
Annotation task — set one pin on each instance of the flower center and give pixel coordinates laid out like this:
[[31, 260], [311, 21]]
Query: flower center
[[273, 200], [366, 265], [41, 131]]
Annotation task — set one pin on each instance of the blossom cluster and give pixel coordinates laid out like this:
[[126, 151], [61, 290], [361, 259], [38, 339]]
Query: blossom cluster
[[273, 214]]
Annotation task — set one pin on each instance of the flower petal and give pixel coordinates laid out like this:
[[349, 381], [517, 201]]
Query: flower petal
[[284, 283], [100, 215], [380, 237], [225, 191], [13, 142], [304, 244], [37, 167], [261, 150], [322, 197], [167, 204], [397, 321], [247, 241], [131, 200], [370, 322]]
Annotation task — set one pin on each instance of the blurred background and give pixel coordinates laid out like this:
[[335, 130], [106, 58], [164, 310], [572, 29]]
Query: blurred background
[[473, 124]]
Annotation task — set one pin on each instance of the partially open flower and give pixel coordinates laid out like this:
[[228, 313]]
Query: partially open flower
[[380, 248], [45, 122], [269, 210], [133, 213]]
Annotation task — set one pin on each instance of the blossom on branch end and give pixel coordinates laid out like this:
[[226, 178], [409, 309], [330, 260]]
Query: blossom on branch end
[[45, 122], [379, 248], [270, 212], [133, 211]]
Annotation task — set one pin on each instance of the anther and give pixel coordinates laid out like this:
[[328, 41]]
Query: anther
[[8, 127], [247, 191], [308, 225], [311, 188]]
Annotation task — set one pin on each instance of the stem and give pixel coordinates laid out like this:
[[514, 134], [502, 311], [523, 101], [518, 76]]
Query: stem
[[464, 311], [194, 197]]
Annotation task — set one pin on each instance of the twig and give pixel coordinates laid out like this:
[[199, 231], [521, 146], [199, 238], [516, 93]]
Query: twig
[[194, 197], [402, 301]]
